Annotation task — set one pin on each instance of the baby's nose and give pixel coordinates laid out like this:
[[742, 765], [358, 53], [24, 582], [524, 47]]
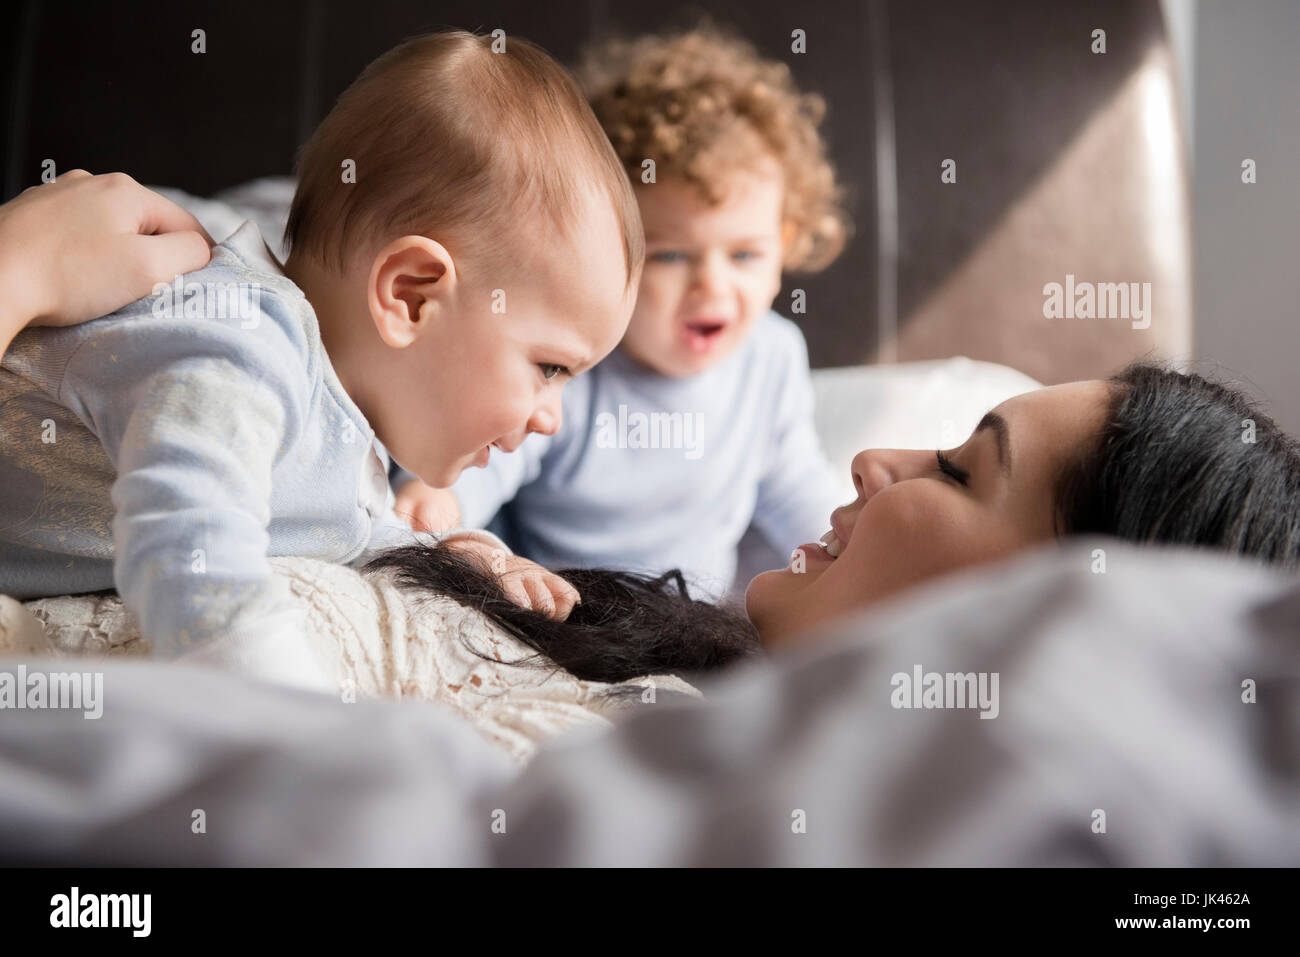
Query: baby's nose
[[546, 421]]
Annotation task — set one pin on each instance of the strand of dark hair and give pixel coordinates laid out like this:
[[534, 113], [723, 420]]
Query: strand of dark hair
[[627, 625]]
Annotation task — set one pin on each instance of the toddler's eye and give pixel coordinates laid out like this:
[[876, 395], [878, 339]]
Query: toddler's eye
[[550, 370], [668, 256], [746, 255]]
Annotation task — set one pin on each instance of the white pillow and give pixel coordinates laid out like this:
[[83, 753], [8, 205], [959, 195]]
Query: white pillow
[[912, 405]]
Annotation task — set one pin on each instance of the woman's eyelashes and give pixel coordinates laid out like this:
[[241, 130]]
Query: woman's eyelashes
[[947, 467]]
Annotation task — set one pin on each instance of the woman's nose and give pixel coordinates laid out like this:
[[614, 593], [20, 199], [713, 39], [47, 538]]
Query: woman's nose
[[875, 469]]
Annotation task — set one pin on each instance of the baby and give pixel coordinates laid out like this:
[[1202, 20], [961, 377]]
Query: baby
[[463, 242], [700, 424]]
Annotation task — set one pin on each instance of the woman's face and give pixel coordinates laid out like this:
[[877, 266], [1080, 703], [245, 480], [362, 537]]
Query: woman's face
[[912, 521]]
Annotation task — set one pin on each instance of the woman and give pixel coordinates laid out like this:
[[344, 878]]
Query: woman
[[1149, 455]]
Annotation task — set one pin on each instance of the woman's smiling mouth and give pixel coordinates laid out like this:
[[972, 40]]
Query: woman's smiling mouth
[[810, 553]]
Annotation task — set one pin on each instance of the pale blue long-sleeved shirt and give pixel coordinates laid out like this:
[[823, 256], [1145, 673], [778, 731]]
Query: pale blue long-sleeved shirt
[[650, 473], [168, 449]]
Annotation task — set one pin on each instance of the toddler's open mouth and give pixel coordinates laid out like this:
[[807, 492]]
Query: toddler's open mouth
[[701, 335]]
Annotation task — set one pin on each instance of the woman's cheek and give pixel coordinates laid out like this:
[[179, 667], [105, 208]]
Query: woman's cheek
[[930, 532], [905, 535]]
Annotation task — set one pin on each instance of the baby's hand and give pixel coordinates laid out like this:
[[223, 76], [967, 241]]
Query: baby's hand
[[427, 509], [528, 584]]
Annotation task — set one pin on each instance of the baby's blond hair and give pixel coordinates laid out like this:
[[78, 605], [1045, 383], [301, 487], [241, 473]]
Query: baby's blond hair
[[453, 140], [702, 103]]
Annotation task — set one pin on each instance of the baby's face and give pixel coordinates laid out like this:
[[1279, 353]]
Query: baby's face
[[493, 369], [710, 271]]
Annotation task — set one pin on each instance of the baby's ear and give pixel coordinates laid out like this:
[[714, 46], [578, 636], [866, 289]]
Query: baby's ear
[[411, 281]]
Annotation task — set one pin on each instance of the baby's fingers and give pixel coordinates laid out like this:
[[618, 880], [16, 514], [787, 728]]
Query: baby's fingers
[[560, 594], [540, 595], [535, 588], [514, 589], [565, 595]]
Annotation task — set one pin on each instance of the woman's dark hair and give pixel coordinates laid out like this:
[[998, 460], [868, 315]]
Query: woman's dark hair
[[1182, 460], [626, 626]]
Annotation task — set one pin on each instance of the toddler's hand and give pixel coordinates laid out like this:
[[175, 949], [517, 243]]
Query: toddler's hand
[[427, 509], [528, 584]]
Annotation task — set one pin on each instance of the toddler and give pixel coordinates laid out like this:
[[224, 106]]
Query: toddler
[[463, 242], [700, 424]]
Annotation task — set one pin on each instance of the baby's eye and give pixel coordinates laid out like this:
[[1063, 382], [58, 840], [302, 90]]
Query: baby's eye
[[550, 370], [668, 256], [746, 255]]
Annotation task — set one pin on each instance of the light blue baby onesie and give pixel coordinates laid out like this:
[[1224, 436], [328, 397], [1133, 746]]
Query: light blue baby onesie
[[169, 448]]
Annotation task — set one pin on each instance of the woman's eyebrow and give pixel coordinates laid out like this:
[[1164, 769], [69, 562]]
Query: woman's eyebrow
[[998, 424]]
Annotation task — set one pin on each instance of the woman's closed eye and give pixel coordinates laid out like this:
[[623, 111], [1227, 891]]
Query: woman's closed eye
[[947, 467]]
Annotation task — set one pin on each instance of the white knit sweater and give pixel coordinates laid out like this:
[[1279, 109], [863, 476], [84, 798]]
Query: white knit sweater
[[378, 640]]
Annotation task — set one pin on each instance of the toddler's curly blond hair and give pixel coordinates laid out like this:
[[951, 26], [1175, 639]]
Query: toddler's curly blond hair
[[702, 103]]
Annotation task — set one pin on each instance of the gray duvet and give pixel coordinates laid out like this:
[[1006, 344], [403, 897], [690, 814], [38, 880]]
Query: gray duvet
[[1028, 713]]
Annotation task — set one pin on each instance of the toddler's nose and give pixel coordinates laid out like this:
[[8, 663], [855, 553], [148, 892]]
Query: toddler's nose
[[710, 275]]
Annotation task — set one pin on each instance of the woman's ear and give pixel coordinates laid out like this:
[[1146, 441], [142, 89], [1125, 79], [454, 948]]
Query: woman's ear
[[412, 281]]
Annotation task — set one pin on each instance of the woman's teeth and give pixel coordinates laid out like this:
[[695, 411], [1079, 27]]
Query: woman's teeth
[[833, 544]]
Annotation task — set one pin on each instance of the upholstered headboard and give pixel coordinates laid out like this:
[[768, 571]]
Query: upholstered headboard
[[1067, 162]]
